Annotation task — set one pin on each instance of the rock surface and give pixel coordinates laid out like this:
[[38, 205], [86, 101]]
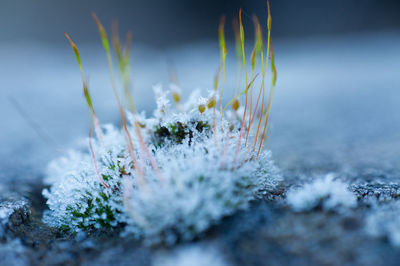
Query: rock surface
[[269, 232], [336, 111]]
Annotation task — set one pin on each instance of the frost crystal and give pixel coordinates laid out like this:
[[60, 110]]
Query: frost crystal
[[192, 175], [326, 192]]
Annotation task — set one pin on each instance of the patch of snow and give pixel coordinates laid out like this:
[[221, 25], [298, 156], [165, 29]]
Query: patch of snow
[[326, 192]]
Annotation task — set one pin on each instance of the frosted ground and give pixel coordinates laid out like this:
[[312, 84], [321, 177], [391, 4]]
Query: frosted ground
[[336, 111]]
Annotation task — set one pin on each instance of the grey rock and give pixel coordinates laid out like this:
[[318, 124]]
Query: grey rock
[[273, 235], [121, 256]]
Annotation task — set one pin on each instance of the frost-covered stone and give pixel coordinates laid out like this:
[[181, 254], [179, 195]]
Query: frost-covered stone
[[326, 192], [190, 171], [380, 191], [14, 210]]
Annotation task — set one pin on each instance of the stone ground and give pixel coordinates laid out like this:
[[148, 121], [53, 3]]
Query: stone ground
[[269, 233], [336, 111]]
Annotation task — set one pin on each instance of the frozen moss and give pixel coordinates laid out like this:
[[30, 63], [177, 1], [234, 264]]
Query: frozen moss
[[178, 131], [172, 175], [201, 177]]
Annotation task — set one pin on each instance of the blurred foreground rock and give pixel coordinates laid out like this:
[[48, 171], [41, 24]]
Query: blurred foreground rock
[[269, 233]]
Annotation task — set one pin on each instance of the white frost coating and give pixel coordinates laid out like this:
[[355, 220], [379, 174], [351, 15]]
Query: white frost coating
[[5, 213], [11, 203], [200, 177], [325, 192], [384, 221]]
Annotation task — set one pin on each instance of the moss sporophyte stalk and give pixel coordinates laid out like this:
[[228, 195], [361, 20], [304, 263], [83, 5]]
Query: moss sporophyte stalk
[[172, 175]]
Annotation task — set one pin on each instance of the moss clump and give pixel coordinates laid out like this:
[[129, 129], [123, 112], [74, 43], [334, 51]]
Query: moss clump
[[178, 131], [90, 211], [170, 176], [96, 208]]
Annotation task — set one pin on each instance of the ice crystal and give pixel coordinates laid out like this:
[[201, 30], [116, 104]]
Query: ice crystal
[[193, 175], [326, 192]]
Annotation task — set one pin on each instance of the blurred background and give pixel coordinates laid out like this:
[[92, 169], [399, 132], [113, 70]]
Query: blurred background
[[174, 22], [337, 96]]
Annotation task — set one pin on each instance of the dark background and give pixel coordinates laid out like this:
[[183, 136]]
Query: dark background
[[166, 23]]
